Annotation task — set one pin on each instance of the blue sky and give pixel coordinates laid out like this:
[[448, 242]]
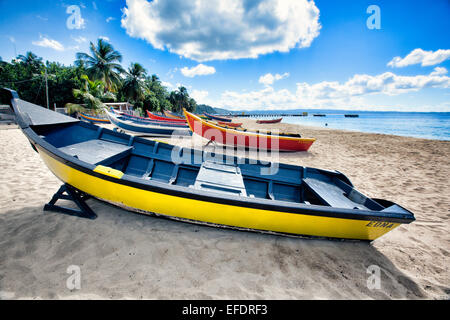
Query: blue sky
[[269, 54]]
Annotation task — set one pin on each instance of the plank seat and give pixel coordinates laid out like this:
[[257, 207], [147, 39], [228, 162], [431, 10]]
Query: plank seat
[[97, 151], [331, 194]]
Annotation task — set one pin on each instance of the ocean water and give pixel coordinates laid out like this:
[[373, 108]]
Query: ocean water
[[429, 125]]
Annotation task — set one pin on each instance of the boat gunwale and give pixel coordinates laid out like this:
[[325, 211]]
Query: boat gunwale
[[90, 118]]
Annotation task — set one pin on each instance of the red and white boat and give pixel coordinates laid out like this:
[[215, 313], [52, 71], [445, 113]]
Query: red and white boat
[[243, 138], [269, 121], [156, 117]]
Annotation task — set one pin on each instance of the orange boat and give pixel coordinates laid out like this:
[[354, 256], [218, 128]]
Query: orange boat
[[230, 124], [169, 114], [156, 117], [244, 138]]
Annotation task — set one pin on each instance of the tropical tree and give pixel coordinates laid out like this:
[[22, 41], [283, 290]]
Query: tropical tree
[[151, 102], [91, 95], [160, 93], [180, 99], [192, 105], [103, 64], [26, 75], [31, 60], [2, 64], [134, 87]]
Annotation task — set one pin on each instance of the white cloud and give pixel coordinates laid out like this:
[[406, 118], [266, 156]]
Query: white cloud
[[267, 98], [199, 70], [110, 19], [332, 94], [167, 85], [49, 43], [200, 96], [419, 56], [104, 38], [205, 30], [269, 79], [79, 39], [179, 84], [439, 71]]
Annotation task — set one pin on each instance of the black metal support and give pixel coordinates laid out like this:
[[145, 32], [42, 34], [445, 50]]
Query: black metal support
[[72, 194]]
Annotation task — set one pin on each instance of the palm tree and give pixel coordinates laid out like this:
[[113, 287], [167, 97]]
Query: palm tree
[[179, 99], [31, 60], [134, 86], [103, 64], [90, 94], [2, 64]]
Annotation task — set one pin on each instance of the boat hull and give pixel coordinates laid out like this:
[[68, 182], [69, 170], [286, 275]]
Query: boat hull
[[269, 121], [217, 118], [246, 139], [230, 124], [109, 188]]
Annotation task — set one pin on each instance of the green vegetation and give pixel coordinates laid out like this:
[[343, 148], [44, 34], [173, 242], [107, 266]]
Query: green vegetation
[[94, 79], [103, 64], [202, 108]]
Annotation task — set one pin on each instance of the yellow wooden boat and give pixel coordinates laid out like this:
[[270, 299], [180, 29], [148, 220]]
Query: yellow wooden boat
[[180, 183]]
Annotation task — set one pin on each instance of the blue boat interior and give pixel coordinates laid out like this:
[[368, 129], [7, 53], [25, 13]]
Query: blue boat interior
[[152, 160]]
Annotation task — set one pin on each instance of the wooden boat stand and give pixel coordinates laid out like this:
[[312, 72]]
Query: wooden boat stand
[[74, 195]]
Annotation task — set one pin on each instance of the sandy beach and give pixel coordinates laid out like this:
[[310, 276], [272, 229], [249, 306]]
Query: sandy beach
[[123, 255]]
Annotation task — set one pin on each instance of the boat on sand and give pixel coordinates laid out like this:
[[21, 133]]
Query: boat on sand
[[261, 140], [147, 128], [195, 186], [269, 121]]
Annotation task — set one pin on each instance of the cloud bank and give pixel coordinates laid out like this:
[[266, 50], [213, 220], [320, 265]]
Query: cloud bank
[[333, 94], [48, 43], [205, 30], [422, 57], [269, 79], [199, 70]]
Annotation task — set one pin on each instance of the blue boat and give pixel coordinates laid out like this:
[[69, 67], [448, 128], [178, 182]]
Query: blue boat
[[142, 120], [146, 128], [212, 117]]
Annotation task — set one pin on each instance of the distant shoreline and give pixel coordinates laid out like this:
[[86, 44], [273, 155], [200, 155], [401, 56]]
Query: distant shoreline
[[367, 132], [251, 123]]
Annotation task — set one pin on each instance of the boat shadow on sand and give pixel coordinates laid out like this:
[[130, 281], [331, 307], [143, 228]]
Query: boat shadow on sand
[[127, 255]]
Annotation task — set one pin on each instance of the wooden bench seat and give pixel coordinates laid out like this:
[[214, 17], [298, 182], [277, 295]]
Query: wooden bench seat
[[97, 151]]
